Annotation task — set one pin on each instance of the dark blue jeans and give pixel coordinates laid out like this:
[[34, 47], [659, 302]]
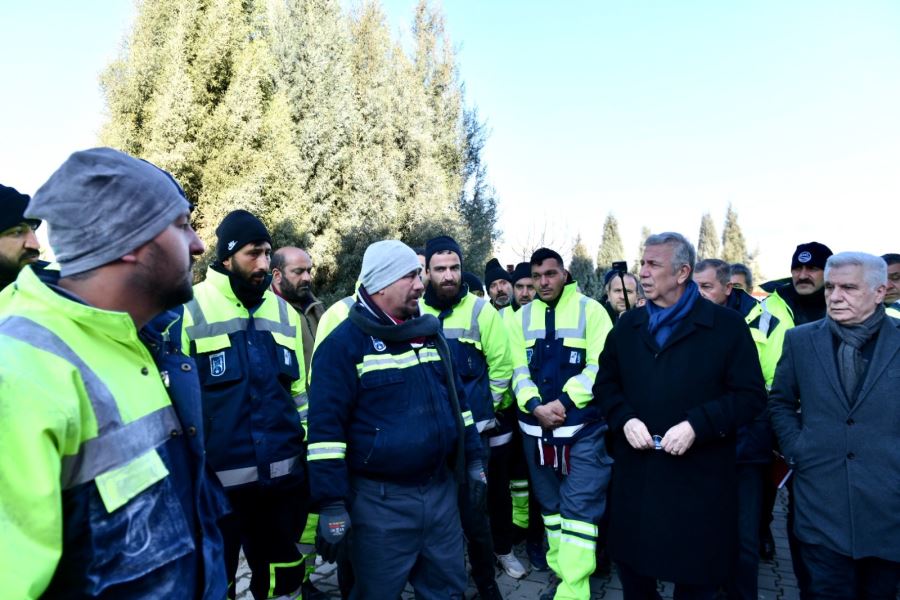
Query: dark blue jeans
[[833, 576]]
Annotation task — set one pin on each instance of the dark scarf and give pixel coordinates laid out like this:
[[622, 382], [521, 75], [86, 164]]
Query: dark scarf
[[850, 362], [249, 294], [418, 328], [805, 309], [664, 320]]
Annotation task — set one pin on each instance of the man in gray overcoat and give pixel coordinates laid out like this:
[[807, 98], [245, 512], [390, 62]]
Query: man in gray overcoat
[[843, 372]]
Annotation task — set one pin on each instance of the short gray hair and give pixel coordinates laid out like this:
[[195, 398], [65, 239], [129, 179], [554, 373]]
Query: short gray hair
[[684, 253], [874, 267], [723, 270]]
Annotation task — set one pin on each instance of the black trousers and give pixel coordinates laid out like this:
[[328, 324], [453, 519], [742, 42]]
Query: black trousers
[[266, 522], [640, 587], [751, 496], [833, 576], [477, 530]]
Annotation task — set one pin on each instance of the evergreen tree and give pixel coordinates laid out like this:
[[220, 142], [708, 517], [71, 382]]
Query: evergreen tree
[[477, 201], [636, 266], [611, 248], [734, 248], [708, 242], [582, 269], [312, 118]]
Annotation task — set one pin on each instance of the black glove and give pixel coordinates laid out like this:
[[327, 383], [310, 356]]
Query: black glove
[[477, 487], [332, 531]]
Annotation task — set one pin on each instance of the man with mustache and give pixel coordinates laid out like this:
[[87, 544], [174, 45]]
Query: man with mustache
[[292, 280], [477, 340], [249, 350], [499, 284], [796, 303], [106, 491], [556, 340], [18, 245]]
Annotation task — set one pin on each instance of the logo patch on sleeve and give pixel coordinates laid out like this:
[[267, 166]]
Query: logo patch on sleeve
[[574, 357], [287, 357]]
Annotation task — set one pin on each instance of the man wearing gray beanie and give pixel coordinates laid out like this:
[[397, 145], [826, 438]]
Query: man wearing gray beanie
[[105, 489], [385, 422]]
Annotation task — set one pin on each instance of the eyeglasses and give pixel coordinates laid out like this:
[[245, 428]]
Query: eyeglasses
[[20, 230]]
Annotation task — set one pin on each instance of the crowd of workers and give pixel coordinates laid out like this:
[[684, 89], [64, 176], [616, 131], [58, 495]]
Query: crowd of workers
[[152, 429]]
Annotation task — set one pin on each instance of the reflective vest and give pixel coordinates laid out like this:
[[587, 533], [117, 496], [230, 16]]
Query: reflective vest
[[253, 380], [893, 310], [555, 352], [477, 338], [98, 480], [332, 317]]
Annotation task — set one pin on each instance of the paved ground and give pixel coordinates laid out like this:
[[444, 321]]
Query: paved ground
[[776, 577]]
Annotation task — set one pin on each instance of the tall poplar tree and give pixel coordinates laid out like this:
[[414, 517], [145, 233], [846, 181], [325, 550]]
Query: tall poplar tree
[[582, 269], [734, 248], [611, 248], [708, 241]]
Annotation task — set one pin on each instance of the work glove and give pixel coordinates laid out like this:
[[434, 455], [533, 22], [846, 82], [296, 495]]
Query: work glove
[[477, 487], [333, 531]]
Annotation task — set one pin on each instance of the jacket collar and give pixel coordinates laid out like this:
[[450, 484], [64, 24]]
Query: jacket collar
[[886, 347], [114, 324], [702, 315]]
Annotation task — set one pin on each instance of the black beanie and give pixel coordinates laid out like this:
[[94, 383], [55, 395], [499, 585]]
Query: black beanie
[[471, 279], [522, 270], [440, 244], [236, 230], [12, 208], [812, 254], [493, 271]]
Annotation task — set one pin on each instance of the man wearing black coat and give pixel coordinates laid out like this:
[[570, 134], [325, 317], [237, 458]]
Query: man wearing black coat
[[677, 378]]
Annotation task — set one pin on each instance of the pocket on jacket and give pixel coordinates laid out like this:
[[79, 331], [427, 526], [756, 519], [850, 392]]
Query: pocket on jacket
[[386, 389], [469, 362], [219, 367], [288, 367], [142, 536]]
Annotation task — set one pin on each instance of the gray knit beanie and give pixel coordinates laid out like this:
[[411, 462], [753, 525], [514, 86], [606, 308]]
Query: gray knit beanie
[[385, 262], [102, 204]]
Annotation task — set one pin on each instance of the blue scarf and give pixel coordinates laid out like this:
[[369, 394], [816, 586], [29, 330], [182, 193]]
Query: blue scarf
[[664, 320]]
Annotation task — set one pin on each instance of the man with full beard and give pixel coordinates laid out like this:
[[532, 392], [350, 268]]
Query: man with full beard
[[292, 280], [105, 489], [249, 349], [478, 343], [18, 245]]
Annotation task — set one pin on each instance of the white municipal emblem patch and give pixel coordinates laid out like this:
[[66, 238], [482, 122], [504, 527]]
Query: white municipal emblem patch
[[232, 244], [574, 359], [217, 364], [804, 257], [287, 357], [378, 344]]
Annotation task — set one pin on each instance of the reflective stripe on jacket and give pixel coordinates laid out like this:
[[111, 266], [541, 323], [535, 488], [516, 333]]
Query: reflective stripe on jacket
[[477, 338], [555, 352], [97, 495], [253, 380]]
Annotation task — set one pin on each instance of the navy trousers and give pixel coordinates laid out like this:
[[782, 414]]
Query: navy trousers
[[406, 533]]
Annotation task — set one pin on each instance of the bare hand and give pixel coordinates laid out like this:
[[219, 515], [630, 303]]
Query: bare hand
[[678, 439], [551, 415], [637, 435]]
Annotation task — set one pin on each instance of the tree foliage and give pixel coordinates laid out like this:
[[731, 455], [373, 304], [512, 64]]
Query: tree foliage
[[611, 248], [581, 268], [636, 267], [708, 241], [734, 248], [310, 116]]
